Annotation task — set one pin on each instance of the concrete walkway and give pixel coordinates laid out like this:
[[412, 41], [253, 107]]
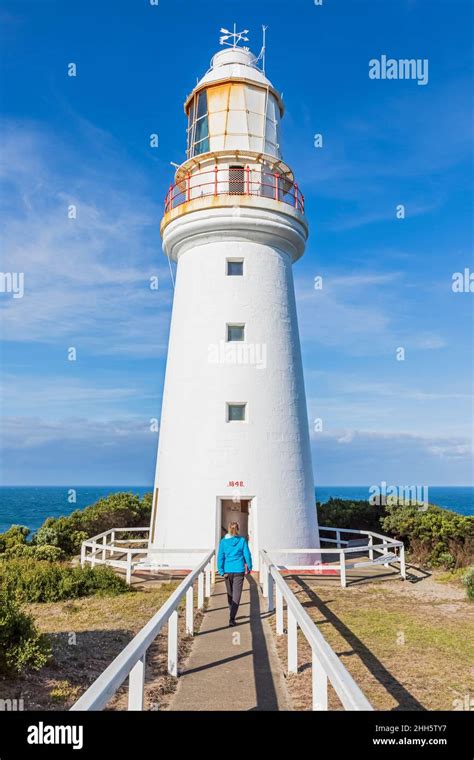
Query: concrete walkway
[[232, 668]]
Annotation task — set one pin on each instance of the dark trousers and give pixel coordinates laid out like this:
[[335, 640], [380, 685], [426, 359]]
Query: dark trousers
[[234, 583]]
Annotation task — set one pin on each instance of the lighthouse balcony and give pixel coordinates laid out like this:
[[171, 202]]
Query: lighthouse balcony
[[220, 185]]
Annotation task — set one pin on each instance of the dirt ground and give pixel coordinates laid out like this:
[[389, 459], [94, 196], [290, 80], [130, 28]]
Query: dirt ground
[[86, 635], [408, 644]]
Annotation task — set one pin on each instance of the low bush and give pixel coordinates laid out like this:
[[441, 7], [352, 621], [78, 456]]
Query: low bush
[[118, 510], [46, 552], [14, 536], [436, 536], [21, 644], [31, 580], [468, 581], [359, 515]]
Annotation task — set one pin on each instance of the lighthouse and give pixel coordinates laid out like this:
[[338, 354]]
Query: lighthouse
[[234, 439]]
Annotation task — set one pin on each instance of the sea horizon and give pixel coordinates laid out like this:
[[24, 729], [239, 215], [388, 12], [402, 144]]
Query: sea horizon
[[31, 505]]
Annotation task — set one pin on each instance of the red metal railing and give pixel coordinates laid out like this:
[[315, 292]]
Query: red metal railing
[[234, 180]]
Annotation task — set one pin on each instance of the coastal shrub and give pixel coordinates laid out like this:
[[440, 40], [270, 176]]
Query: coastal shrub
[[118, 510], [14, 536], [45, 552], [31, 580], [468, 581], [359, 515], [62, 532], [447, 560], [434, 535], [21, 644]]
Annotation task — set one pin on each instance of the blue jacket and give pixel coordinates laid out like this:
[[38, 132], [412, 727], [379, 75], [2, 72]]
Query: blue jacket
[[234, 554]]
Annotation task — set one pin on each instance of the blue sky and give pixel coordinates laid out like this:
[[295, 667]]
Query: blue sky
[[386, 281]]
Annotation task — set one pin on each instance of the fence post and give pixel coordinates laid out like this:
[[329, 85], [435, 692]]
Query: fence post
[[371, 551], [338, 539], [247, 180], [320, 684], [295, 192], [188, 187], [173, 644], [279, 612], [342, 562], [190, 611], [265, 580], [200, 591], [83, 554], [129, 567], [104, 550], [136, 685], [271, 583], [213, 571], [292, 643], [208, 580], [277, 193], [403, 569], [215, 179]]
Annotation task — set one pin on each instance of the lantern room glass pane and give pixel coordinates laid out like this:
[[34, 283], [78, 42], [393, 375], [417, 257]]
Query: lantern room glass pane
[[201, 147], [198, 130], [202, 104], [202, 129]]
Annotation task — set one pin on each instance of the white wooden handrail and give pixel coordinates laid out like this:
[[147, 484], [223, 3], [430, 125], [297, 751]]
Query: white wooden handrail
[[131, 660], [326, 664], [347, 550], [343, 551]]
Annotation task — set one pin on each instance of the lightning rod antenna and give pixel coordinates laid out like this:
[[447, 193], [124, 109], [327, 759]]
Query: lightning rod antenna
[[264, 36]]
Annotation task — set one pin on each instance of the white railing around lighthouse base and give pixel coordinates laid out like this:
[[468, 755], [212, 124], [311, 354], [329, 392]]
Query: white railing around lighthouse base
[[326, 665], [131, 661], [121, 553]]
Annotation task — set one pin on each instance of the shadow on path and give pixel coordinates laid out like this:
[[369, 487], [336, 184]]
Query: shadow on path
[[406, 701], [264, 683]]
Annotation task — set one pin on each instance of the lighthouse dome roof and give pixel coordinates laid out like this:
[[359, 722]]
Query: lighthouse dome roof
[[235, 64]]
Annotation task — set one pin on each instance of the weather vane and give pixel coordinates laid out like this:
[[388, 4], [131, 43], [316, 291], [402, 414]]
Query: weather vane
[[235, 36]]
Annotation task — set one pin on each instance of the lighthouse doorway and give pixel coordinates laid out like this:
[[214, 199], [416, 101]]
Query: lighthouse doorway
[[237, 510]]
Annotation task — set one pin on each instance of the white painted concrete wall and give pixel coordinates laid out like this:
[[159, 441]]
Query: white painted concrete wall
[[199, 452]]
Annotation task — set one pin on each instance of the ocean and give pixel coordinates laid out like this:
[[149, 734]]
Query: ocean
[[30, 505]]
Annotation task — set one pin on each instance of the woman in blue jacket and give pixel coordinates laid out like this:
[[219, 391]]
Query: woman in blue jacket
[[234, 561]]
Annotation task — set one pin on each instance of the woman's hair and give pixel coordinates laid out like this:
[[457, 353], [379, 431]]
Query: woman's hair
[[234, 528]]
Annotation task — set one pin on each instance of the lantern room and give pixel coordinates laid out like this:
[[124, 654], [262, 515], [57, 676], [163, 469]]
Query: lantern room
[[233, 141], [234, 107]]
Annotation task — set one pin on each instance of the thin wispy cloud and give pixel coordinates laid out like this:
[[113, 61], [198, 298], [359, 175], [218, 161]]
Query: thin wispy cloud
[[87, 279]]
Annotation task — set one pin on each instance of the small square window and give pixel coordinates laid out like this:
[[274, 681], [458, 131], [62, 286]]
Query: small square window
[[235, 268], [235, 332], [236, 412]]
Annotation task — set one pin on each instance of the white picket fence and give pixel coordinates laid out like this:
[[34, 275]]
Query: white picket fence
[[326, 666], [131, 662]]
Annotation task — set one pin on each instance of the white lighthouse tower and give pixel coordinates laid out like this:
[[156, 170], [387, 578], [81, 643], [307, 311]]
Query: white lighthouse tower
[[234, 439]]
